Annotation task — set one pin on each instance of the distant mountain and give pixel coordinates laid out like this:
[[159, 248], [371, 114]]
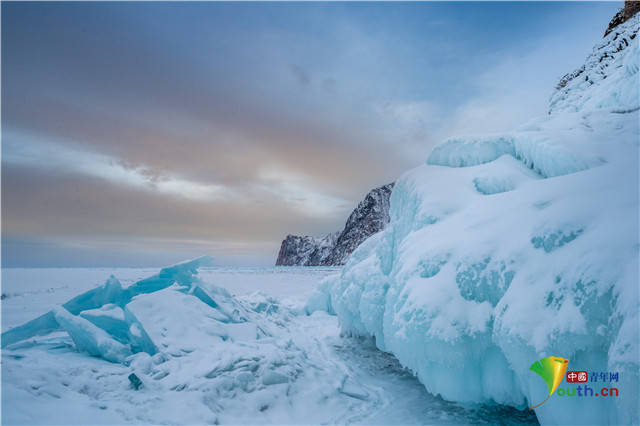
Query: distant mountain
[[370, 216], [306, 251]]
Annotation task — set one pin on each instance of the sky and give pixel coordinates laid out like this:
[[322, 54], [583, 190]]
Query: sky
[[142, 134]]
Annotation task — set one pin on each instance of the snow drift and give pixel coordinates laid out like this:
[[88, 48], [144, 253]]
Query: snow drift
[[507, 248]]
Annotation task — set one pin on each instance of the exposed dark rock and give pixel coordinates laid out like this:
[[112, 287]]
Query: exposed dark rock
[[135, 381], [305, 251], [622, 31], [627, 12], [371, 216]]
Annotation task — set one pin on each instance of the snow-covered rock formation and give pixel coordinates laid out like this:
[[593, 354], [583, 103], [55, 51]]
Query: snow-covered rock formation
[[504, 249], [306, 251], [370, 216], [606, 80], [631, 7]]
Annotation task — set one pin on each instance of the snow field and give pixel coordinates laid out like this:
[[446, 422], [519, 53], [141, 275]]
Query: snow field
[[269, 364]]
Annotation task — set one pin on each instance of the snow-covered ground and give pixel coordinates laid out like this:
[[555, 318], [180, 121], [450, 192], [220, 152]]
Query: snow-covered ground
[[31, 292], [275, 366]]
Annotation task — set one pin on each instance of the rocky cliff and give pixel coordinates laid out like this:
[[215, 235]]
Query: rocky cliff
[[370, 216], [306, 251], [605, 79], [627, 12]]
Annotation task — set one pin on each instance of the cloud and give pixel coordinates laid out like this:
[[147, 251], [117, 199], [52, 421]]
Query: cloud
[[76, 207], [329, 85], [127, 123], [298, 191], [37, 153], [301, 75]]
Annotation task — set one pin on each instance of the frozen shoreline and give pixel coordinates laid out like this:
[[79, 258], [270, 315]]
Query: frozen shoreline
[[342, 379]]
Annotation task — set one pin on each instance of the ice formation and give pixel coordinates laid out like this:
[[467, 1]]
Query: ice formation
[[507, 248], [196, 354], [100, 321], [169, 314], [170, 356]]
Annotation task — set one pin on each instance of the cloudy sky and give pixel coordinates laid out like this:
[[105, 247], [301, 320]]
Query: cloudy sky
[[146, 133]]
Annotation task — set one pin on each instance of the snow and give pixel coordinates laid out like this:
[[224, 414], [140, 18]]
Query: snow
[[608, 79], [503, 249], [32, 292], [252, 357], [467, 152], [553, 146]]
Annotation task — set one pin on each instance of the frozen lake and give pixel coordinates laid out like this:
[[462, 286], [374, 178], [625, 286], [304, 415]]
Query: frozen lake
[[30, 292], [331, 378]]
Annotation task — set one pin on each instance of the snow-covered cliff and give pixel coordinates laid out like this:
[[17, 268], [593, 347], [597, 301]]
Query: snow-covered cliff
[[608, 78], [504, 249], [370, 216], [306, 251]]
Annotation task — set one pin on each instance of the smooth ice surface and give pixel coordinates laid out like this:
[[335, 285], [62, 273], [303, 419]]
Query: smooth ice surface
[[90, 338], [270, 365], [504, 249]]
